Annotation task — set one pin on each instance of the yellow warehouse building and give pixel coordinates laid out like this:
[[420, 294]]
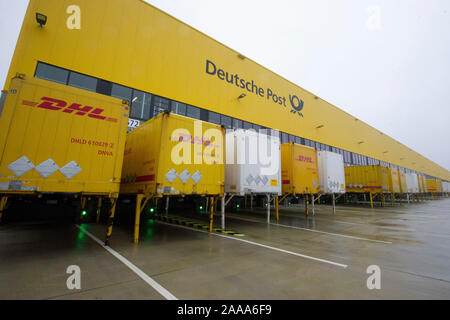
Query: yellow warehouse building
[[131, 50]]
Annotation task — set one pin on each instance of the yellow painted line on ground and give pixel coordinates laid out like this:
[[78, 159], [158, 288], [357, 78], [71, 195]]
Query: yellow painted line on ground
[[197, 225]]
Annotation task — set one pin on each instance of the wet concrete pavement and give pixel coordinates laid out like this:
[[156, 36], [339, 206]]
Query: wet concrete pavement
[[317, 257]]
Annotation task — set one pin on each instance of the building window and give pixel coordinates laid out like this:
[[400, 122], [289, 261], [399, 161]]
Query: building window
[[247, 125], [348, 157], [159, 105], [274, 133], [203, 114], [291, 138], [51, 73], [264, 130], [82, 81], [121, 92], [256, 127], [104, 87], [193, 112], [237, 124], [178, 108], [140, 105], [225, 121], [298, 140], [213, 117]]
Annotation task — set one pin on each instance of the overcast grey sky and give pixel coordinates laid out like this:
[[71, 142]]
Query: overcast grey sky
[[385, 62]]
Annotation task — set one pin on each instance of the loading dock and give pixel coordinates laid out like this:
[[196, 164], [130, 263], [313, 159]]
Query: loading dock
[[173, 156], [60, 141], [253, 168]]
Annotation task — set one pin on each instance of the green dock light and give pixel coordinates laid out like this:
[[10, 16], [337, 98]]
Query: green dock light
[[238, 206], [201, 207], [152, 210], [84, 212]]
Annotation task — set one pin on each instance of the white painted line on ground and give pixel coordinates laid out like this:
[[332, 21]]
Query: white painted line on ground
[[332, 234], [155, 285], [292, 215], [312, 230], [395, 228], [257, 244]]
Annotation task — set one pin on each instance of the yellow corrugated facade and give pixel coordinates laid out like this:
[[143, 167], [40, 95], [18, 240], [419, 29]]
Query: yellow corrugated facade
[[132, 43]]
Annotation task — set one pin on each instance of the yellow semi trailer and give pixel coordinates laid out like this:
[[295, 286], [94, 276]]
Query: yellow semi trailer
[[60, 140], [299, 171], [402, 181], [439, 186], [374, 180], [424, 183], [432, 186], [172, 155], [394, 181]]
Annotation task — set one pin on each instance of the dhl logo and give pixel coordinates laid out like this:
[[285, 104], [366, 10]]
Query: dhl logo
[[75, 108], [192, 140], [304, 159]]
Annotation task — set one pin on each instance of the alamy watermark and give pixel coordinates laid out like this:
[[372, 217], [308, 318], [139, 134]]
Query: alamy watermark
[[374, 280], [73, 282], [373, 21], [243, 147], [74, 20]]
